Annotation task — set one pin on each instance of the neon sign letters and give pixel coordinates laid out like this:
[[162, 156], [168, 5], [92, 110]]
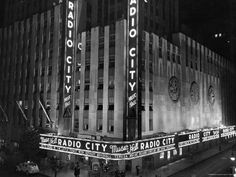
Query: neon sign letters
[[126, 150], [228, 132], [189, 139], [210, 135], [132, 52], [107, 150], [69, 52]]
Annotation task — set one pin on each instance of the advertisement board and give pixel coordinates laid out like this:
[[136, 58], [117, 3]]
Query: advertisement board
[[132, 55], [189, 138], [69, 57], [127, 150], [208, 135], [107, 150], [228, 132]]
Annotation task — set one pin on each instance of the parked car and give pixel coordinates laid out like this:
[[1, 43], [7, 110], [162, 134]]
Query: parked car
[[28, 167]]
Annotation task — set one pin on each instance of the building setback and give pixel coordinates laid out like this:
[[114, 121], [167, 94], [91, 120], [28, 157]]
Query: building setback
[[181, 82]]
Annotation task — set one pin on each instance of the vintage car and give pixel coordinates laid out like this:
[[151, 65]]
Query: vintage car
[[28, 167]]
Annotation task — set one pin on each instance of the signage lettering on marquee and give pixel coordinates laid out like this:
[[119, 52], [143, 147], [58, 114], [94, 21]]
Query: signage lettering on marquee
[[210, 135], [126, 150], [189, 139], [69, 52], [132, 53], [228, 132], [110, 150]]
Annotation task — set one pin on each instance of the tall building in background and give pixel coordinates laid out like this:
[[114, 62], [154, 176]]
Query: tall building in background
[[19, 10], [208, 22], [108, 70], [213, 23], [159, 16]]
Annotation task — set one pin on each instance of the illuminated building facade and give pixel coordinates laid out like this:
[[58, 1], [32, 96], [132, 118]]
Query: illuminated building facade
[[114, 81]]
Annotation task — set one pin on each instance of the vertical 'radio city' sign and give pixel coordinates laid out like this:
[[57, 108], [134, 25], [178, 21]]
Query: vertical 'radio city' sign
[[69, 51], [132, 53]]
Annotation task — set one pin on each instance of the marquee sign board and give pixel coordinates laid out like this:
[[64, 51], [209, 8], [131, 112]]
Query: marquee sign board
[[133, 118], [228, 132], [69, 48], [132, 54], [107, 150], [208, 135], [127, 150], [189, 138]]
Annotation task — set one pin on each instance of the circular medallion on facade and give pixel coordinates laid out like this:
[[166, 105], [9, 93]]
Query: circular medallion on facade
[[174, 88], [194, 92], [211, 95]]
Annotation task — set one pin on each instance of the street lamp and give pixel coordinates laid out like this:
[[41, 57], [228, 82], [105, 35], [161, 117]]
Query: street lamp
[[232, 157]]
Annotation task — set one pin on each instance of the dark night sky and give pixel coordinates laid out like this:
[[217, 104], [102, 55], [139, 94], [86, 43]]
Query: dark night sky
[[2, 2], [201, 11], [202, 19]]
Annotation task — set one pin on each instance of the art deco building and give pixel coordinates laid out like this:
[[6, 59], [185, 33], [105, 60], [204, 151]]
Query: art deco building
[[70, 76]]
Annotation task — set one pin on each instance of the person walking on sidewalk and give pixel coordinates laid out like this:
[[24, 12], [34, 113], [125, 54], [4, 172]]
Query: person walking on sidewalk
[[137, 170], [77, 170]]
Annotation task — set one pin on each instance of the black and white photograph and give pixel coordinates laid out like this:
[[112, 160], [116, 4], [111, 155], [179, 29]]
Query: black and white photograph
[[118, 88]]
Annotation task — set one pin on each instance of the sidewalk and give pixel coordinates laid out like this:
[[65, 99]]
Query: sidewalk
[[164, 171], [64, 172], [184, 163]]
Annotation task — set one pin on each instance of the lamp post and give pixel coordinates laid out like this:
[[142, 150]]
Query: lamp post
[[232, 158]]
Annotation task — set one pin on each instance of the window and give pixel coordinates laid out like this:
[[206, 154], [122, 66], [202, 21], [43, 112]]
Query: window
[[191, 47], [143, 108], [178, 59], [186, 60], [150, 108], [110, 122], [111, 84], [86, 87], [111, 107], [160, 47], [99, 120], [76, 107], [100, 86], [86, 107], [200, 61], [111, 128], [168, 55], [100, 107], [85, 125]]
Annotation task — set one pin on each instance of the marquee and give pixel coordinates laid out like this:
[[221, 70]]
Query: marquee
[[126, 150]]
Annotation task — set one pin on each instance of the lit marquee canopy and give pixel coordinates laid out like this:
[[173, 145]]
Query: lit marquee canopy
[[126, 150], [107, 150]]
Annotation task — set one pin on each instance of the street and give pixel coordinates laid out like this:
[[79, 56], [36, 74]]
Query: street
[[218, 165], [10, 172]]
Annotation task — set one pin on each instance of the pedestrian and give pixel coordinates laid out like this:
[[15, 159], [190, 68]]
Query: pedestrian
[[77, 170], [137, 170], [117, 173]]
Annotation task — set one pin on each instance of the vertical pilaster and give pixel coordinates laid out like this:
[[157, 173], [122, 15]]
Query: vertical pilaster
[[93, 81]]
